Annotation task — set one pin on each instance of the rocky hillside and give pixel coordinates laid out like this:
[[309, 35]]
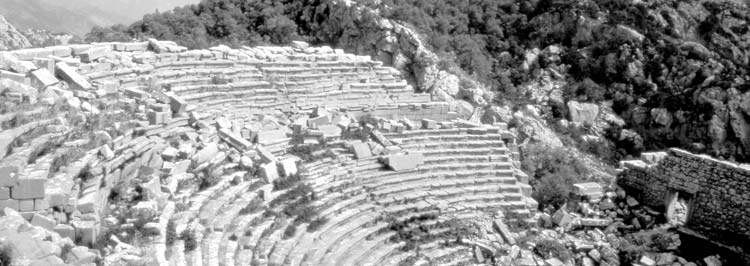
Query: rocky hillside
[[674, 71], [10, 38]]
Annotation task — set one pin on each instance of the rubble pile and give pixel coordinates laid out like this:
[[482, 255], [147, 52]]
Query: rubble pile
[[603, 227]]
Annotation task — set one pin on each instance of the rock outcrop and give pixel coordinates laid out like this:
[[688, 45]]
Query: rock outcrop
[[10, 37]]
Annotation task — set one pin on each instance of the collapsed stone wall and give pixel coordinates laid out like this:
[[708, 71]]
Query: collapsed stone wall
[[719, 190]]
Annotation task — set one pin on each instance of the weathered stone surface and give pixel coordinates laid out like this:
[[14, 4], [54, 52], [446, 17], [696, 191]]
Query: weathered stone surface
[[70, 75], [271, 136], [43, 221], [86, 231], [269, 172], [206, 154], [288, 166], [400, 162], [591, 190], [361, 150], [28, 188], [43, 78], [583, 112], [687, 174], [504, 232]]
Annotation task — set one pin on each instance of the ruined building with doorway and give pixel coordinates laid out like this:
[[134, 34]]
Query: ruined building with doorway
[[707, 195]]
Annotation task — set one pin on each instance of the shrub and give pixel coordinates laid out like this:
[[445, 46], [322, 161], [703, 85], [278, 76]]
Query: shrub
[[548, 248], [290, 231], [316, 224], [6, 255], [190, 242], [171, 233], [286, 182], [554, 172]]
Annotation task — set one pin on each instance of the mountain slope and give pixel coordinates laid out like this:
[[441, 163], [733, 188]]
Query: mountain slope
[[79, 16], [10, 38]]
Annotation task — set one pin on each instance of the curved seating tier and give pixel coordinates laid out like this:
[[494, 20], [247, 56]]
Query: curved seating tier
[[205, 187]]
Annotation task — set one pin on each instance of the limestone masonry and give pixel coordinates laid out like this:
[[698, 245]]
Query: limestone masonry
[[191, 153], [717, 192]]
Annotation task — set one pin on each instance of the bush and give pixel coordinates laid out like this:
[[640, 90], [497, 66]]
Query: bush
[[286, 182], [190, 242], [6, 255], [316, 224], [290, 231], [171, 233], [548, 249], [553, 173]]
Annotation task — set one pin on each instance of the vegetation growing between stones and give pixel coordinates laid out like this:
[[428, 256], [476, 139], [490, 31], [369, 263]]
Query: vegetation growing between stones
[[311, 152], [549, 248], [189, 239], [553, 173], [6, 255], [686, 57]]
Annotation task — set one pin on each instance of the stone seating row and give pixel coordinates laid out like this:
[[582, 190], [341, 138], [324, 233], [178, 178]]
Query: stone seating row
[[479, 201]]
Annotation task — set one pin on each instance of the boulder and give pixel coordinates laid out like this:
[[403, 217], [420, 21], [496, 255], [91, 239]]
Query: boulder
[[583, 112], [661, 116]]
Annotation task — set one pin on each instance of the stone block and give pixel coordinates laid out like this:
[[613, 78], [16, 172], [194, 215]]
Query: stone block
[[87, 203], [206, 154], [380, 138], [70, 75], [65, 230], [429, 124], [647, 261], [86, 231], [180, 167], [591, 190], [235, 140], [135, 93], [400, 162], [594, 222], [330, 131], [41, 204], [222, 122], [43, 221], [288, 166], [94, 53], [28, 188], [177, 104], [4, 193], [269, 172], [20, 78], [9, 203], [26, 205], [300, 45], [553, 262], [42, 78], [319, 121], [45, 63], [562, 218], [8, 175], [361, 150], [268, 137], [107, 152], [504, 231]]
